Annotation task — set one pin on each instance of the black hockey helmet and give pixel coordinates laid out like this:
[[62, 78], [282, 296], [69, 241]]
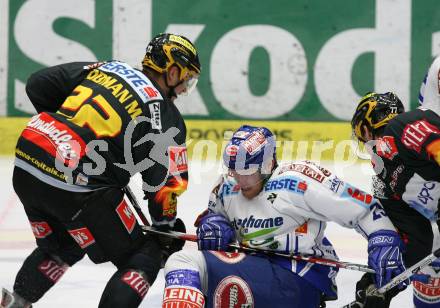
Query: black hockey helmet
[[166, 50], [375, 111]]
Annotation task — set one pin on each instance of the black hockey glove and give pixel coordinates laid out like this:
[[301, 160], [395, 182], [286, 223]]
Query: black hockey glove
[[364, 298], [171, 245]]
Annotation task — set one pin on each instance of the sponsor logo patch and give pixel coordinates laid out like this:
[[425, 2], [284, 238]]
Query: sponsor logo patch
[[254, 142], [134, 78], [304, 169], [186, 297], [416, 133], [287, 183], [428, 292], [302, 186], [233, 291], [335, 184], [302, 229], [155, 116], [253, 222], [54, 137], [183, 277], [52, 270], [229, 257], [425, 193], [126, 215], [137, 282], [272, 197], [151, 92], [182, 41], [231, 150], [93, 65], [383, 239], [178, 159], [41, 229], [325, 171], [360, 197], [386, 147], [82, 236]]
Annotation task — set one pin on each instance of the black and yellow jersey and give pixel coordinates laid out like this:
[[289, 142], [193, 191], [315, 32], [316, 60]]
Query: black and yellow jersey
[[407, 163], [98, 125]]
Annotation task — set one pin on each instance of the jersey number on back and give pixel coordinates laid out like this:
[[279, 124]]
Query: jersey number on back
[[85, 114]]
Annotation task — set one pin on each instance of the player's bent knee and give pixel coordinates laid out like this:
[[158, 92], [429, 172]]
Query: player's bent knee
[[40, 271], [185, 278], [146, 262], [70, 257], [188, 259]]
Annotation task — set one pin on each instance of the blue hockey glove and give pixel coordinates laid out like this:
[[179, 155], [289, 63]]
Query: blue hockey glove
[[214, 233], [385, 256]]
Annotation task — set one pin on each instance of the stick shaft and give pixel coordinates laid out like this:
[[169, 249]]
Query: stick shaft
[[404, 275], [321, 261], [410, 271], [130, 195], [193, 238]]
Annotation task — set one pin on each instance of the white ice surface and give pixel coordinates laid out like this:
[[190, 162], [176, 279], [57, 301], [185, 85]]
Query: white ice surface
[[83, 284]]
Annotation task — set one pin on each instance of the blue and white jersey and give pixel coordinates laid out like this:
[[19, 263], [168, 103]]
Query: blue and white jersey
[[429, 95], [290, 215]]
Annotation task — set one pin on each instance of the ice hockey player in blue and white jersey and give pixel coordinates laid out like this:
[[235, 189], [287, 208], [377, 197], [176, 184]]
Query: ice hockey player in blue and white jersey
[[429, 95], [280, 208]]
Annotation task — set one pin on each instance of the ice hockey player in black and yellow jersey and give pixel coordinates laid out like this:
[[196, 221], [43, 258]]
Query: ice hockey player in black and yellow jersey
[[97, 125], [406, 159]]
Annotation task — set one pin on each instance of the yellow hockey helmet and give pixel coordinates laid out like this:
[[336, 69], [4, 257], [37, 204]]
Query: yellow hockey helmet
[[166, 50], [375, 111]]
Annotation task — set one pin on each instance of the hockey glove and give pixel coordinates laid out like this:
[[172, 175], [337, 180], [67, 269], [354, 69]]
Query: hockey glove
[[214, 233], [171, 245], [365, 298], [385, 257]]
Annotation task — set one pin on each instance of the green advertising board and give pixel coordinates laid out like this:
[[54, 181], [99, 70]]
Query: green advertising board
[[265, 60]]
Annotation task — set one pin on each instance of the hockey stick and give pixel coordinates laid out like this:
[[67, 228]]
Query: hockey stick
[[130, 195], [321, 261], [404, 275], [193, 238], [410, 271]]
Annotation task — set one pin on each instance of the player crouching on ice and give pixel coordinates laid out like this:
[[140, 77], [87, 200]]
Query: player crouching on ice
[[280, 208]]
